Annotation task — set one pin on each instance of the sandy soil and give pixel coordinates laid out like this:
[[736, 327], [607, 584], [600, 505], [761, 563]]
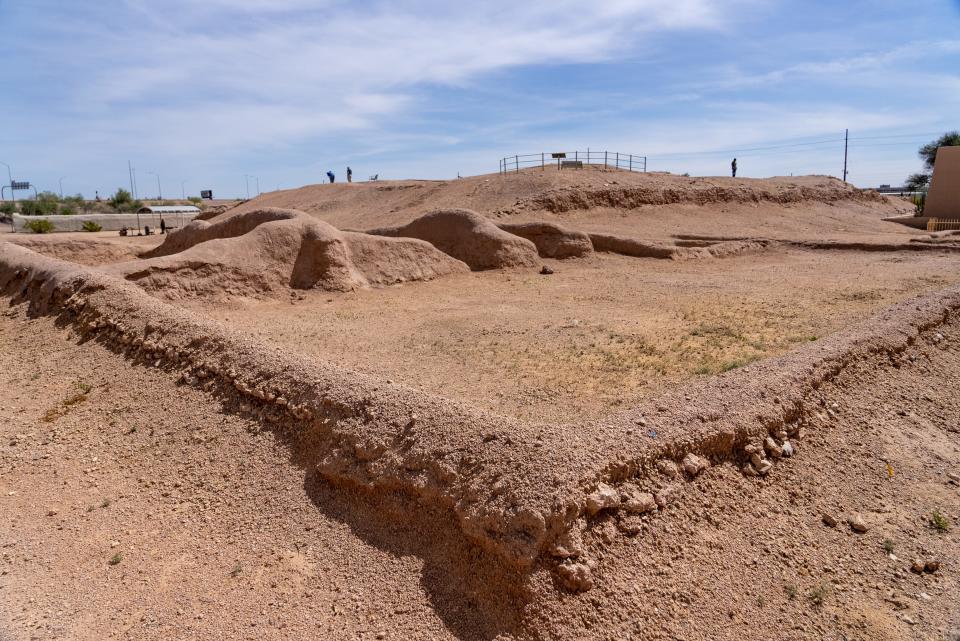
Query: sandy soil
[[596, 336]]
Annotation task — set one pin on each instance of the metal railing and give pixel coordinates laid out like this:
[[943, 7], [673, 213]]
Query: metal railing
[[573, 160], [940, 224]]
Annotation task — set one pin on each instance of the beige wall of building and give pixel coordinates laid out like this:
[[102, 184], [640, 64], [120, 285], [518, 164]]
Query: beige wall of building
[[943, 200]]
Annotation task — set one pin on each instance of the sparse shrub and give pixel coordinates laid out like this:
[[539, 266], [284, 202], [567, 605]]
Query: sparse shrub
[[237, 570], [791, 591], [7, 208], [919, 203], [67, 210], [939, 522], [42, 226], [818, 595], [121, 200], [196, 200], [89, 225], [888, 546], [116, 558]]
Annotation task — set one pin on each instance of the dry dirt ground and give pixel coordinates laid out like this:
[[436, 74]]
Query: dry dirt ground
[[138, 503]]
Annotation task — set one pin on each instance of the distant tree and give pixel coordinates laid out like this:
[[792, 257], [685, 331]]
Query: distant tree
[[7, 208], [121, 200], [917, 182], [928, 153]]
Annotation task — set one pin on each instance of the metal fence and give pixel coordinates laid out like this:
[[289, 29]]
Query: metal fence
[[941, 224], [573, 160]]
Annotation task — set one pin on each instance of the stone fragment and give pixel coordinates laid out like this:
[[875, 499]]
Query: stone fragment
[[774, 450], [765, 467], [829, 521], [857, 524], [787, 448], [917, 566], [604, 498], [931, 566], [640, 503], [575, 576], [569, 544], [694, 465], [668, 468]]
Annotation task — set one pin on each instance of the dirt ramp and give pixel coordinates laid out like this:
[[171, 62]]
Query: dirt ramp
[[631, 246], [552, 240], [265, 252], [469, 237]]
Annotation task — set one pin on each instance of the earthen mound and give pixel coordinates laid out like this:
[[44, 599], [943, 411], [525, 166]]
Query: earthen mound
[[263, 252], [631, 246], [469, 237], [552, 240]]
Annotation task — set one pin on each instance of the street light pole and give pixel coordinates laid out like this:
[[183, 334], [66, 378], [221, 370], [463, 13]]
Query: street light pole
[[258, 184], [246, 180], [183, 194], [61, 186], [13, 194]]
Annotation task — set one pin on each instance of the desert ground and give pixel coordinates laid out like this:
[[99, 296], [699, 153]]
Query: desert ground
[[544, 405]]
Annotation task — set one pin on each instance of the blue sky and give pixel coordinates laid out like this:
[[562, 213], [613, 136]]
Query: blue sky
[[208, 91]]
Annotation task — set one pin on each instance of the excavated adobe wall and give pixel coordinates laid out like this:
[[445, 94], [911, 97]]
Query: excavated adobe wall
[[580, 198], [525, 493]]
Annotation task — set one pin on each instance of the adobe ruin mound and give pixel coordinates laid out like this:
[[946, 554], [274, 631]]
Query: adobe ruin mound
[[468, 236], [552, 240], [264, 252]]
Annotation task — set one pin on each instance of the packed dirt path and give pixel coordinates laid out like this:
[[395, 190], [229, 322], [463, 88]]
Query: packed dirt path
[[136, 508]]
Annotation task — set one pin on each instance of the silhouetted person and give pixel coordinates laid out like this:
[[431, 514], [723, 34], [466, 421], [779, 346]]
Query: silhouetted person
[[733, 167], [331, 176], [349, 175], [163, 226]]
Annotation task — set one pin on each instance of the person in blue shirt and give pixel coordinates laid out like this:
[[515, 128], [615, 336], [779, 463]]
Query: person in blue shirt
[[331, 176]]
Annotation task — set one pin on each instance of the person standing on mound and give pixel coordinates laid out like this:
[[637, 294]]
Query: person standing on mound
[[331, 176], [733, 167], [349, 175]]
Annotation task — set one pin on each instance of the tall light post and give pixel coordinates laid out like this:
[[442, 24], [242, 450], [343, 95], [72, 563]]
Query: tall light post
[[159, 191], [61, 186], [258, 184], [246, 180], [183, 193], [13, 194]]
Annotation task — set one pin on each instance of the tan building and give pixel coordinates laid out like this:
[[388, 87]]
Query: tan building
[[943, 200]]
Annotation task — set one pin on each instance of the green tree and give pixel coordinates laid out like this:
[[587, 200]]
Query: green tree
[[121, 200], [928, 153], [917, 182]]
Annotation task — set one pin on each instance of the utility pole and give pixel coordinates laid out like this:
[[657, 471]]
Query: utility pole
[[61, 186], [183, 194], [13, 194], [130, 175], [246, 180], [258, 184], [846, 141], [159, 191]]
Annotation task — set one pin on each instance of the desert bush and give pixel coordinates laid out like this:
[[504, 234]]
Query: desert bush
[[196, 200], [42, 226], [8, 208], [89, 225], [919, 203], [67, 210], [121, 200]]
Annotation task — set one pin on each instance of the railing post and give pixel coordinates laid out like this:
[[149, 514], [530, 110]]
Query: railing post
[[516, 159], [631, 162], [543, 162], [605, 159]]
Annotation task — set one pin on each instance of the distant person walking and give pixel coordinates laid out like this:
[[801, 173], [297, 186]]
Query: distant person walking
[[349, 175], [331, 176], [163, 225], [733, 167]]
